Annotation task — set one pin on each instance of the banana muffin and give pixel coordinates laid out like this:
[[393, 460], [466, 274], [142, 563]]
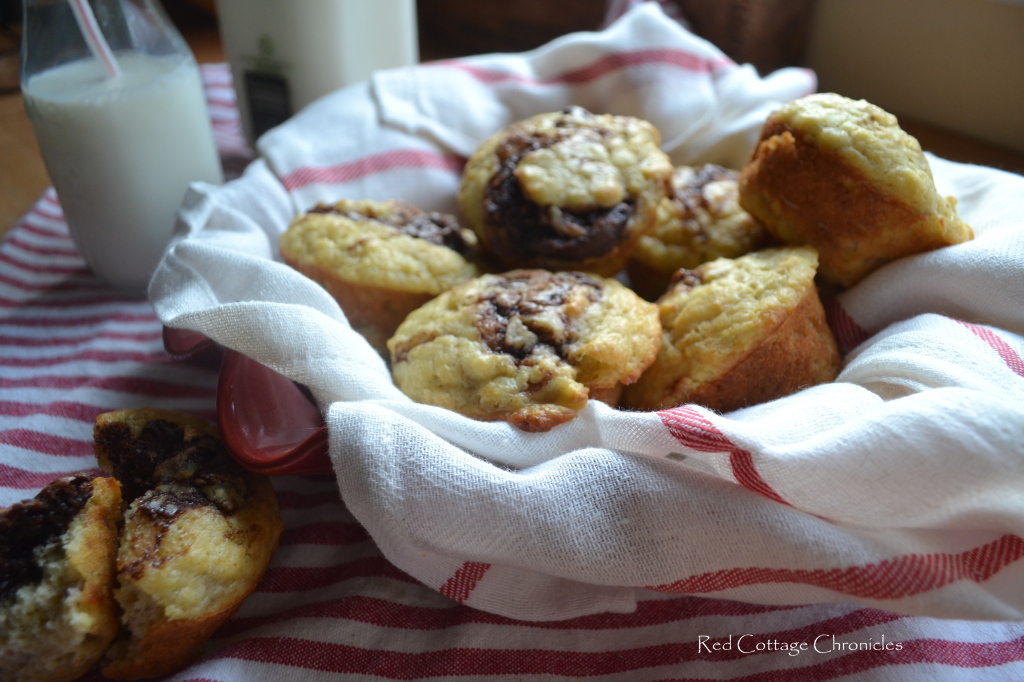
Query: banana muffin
[[568, 190], [198, 535], [379, 259], [528, 346], [738, 332], [842, 176], [699, 220], [57, 608]]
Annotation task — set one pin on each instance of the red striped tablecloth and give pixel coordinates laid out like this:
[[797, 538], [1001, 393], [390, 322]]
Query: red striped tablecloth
[[331, 607]]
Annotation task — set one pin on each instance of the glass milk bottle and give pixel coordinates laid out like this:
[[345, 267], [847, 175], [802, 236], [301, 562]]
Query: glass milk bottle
[[286, 53], [117, 104]]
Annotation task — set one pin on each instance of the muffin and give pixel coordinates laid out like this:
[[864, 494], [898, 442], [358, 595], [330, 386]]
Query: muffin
[[57, 609], [379, 259], [198, 535], [699, 220], [738, 332], [841, 176], [569, 190], [528, 346]]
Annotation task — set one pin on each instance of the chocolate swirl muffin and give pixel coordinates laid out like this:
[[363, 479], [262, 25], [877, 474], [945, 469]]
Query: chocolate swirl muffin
[[738, 332], [528, 346], [569, 190], [842, 176], [57, 608], [379, 259], [698, 221], [198, 535]]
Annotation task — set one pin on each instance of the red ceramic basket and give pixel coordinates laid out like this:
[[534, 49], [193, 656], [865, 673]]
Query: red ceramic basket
[[269, 423]]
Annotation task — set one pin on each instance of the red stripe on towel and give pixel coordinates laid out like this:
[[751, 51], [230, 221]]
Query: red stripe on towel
[[848, 333], [697, 433], [1008, 354], [895, 578], [598, 68], [384, 162], [464, 581]]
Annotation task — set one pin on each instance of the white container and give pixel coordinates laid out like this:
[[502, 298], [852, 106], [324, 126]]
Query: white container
[[122, 125], [286, 53], [122, 154]]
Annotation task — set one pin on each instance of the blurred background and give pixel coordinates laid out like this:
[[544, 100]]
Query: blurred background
[[952, 70]]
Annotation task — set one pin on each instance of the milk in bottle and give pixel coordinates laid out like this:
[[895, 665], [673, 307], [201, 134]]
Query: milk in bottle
[[117, 105], [121, 153]]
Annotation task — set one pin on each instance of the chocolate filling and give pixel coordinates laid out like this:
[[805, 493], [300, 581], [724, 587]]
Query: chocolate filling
[[437, 228], [161, 506], [164, 475], [160, 453], [522, 296], [35, 523], [685, 280], [526, 231], [691, 195]]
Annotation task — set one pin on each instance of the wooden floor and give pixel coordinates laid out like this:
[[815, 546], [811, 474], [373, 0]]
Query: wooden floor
[[23, 177]]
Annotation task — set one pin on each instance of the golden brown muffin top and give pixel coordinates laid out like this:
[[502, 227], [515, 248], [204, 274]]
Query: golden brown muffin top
[[711, 313], [870, 139], [565, 188], [700, 220], [388, 244], [525, 346]]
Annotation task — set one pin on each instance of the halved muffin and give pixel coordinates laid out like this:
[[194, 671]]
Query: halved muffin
[[57, 608], [198, 534]]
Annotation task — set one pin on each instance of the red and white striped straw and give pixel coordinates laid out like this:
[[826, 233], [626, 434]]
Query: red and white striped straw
[[94, 37]]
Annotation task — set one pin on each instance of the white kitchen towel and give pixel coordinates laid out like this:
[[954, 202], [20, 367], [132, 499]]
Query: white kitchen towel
[[898, 486]]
